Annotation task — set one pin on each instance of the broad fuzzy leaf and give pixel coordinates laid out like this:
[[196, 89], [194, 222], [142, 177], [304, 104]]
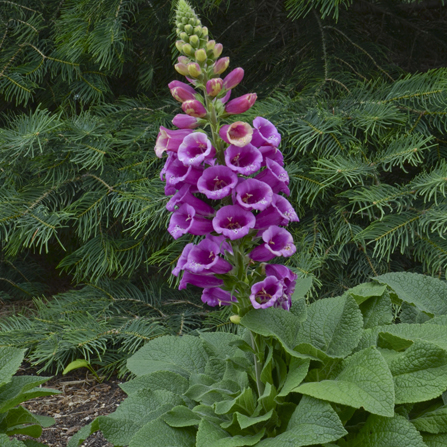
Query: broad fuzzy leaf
[[432, 421], [158, 380], [10, 360]]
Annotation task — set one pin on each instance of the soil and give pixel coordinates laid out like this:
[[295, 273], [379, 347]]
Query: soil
[[82, 399]]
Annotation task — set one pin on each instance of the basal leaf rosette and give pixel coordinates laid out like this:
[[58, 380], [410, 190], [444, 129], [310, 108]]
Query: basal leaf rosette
[[225, 181]]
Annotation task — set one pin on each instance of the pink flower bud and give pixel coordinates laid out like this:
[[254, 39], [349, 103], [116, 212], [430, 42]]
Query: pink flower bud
[[181, 94], [233, 78], [214, 86], [210, 45], [184, 60], [194, 69], [239, 133], [200, 55], [174, 84], [217, 50], [185, 121], [195, 108], [221, 65], [182, 69], [241, 104]]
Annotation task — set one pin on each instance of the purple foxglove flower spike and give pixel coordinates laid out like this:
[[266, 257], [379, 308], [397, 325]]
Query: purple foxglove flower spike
[[233, 221], [183, 195], [265, 133], [193, 107], [214, 86], [241, 104], [280, 212], [217, 182], [233, 78], [243, 160], [185, 220], [273, 153], [287, 279], [221, 65], [254, 195], [276, 176], [237, 133], [186, 122], [203, 281], [204, 258], [182, 260], [181, 95], [177, 174], [278, 242], [217, 297], [266, 293], [169, 140], [194, 149]]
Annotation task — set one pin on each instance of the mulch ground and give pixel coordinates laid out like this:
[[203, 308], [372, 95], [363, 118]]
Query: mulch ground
[[82, 399]]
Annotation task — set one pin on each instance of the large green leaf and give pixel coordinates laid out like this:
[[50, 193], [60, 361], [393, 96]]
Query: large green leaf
[[158, 433], [183, 355], [158, 380], [425, 292], [313, 422], [379, 431], [217, 344], [181, 416], [333, 325], [420, 373], [432, 421], [435, 440], [377, 311], [10, 360], [364, 381], [365, 291], [21, 421], [298, 369], [6, 442]]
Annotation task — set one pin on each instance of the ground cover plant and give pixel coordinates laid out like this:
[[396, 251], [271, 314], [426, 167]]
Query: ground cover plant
[[339, 371]]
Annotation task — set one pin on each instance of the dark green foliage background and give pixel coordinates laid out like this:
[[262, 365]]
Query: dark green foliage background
[[357, 89]]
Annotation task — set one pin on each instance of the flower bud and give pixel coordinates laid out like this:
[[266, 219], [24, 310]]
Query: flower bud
[[194, 69], [184, 37], [198, 30], [194, 22], [217, 50], [187, 49], [186, 122], [181, 94], [182, 69], [184, 60], [221, 65], [179, 45], [241, 104], [204, 31], [233, 78], [200, 55], [194, 41], [189, 29], [195, 108], [174, 84], [214, 86], [210, 45], [235, 319]]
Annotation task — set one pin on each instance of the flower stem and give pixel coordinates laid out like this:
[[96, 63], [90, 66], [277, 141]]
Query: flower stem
[[259, 384]]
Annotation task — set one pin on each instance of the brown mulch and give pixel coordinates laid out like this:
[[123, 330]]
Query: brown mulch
[[82, 399]]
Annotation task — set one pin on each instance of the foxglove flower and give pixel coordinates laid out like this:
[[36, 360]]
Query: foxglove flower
[[221, 65], [182, 260], [217, 182], [186, 220], [276, 176], [181, 95], [266, 293], [288, 281], [233, 222], [243, 160], [193, 107], [169, 140], [222, 242], [203, 281], [265, 133], [177, 174], [280, 212], [186, 122], [184, 195], [253, 194], [204, 258], [194, 149], [214, 86], [240, 105], [233, 78], [175, 84], [217, 297], [278, 242], [270, 152], [238, 133]]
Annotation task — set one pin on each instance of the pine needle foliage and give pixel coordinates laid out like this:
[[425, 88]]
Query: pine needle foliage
[[357, 89]]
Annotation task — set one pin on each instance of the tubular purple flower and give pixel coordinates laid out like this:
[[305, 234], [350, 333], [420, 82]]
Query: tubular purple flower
[[175, 84], [169, 140], [177, 174], [204, 281], [193, 107], [233, 221], [222, 242], [237, 133], [214, 86], [243, 160], [185, 220], [233, 78], [273, 153], [172, 156], [265, 133], [252, 194], [225, 99], [241, 104], [181, 95], [204, 258], [275, 176], [194, 149], [221, 65], [217, 182], [280, 212], [287, 279], [266, 293], [217, 297], [182, 260], [186, 122], [278, 242], [183, 195]]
